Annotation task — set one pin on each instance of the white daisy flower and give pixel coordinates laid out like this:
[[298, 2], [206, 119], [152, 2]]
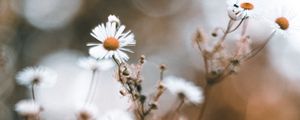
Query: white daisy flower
[[113, 18], [27, 107], [183, 88], [90, 63], [112, 42], [40, 76], [284, 21], [88, 112], [117, 115], [239, 9]]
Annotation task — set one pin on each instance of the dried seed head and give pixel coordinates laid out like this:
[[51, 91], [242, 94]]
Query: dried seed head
[[162, 67], [200, 36], [143, 98], [153, 105], [126, 72], [161, 86], [247, 6], [84, 116], [214, 34], [235, 62], [123, 92], [283, 23], [142, 59], [111, 43]]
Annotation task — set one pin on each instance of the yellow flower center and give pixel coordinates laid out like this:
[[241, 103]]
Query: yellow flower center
[[283, 23], [111, 43], [247, 6]]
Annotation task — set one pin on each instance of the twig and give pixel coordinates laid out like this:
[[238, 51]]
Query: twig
[[207, 91]]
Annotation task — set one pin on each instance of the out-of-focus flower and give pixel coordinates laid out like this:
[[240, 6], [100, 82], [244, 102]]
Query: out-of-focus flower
[[113, 18], [235, 12], [117, 115], [41, 76], [239, 9], [90, 63], [112, 42], [88, 112], [27, 108], [183, 89], [284, 21]]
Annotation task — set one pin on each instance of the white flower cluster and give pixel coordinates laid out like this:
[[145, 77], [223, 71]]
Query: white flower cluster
[[179, 87], [40, 76], [27, 107]]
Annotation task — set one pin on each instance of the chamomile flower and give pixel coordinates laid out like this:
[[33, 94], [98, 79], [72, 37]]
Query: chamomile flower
[[27, 107], [88, 112], [91, 63], [239, 9], [117, 115], [284, 21], [112, 42], [184, 89], [40, 76]]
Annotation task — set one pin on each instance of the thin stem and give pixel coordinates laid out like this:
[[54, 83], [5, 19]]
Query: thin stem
[[245, 26], [227, 31], [221, 41], [116, 61], [256, 50], [161, 75], [204, 58], [207, 90], [177, 110], [94, 90], [90, 87], [240, 23], [246, 110], [33, 91]]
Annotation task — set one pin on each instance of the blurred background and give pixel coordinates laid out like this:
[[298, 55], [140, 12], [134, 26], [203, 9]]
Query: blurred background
[[54, 33]]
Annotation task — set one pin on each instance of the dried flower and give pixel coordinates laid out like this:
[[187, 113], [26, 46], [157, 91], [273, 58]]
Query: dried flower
[[88, 112], [27, 108], [112, 42], [41, 76], [183, 88], [117, 115], [113, 18], [90, 63]]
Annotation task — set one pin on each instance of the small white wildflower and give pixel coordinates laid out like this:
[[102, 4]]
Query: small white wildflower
[[238, 9], [112, 42], [183, 88], [90, 63], [113, 18], [284, 21], [27, 107], [88, 112], [40, 76], [117, 115]]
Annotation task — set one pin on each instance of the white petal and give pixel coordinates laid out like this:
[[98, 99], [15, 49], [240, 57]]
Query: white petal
[[121, 56], [97, 52], [126, 49], [92, 44], [120, 31]]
